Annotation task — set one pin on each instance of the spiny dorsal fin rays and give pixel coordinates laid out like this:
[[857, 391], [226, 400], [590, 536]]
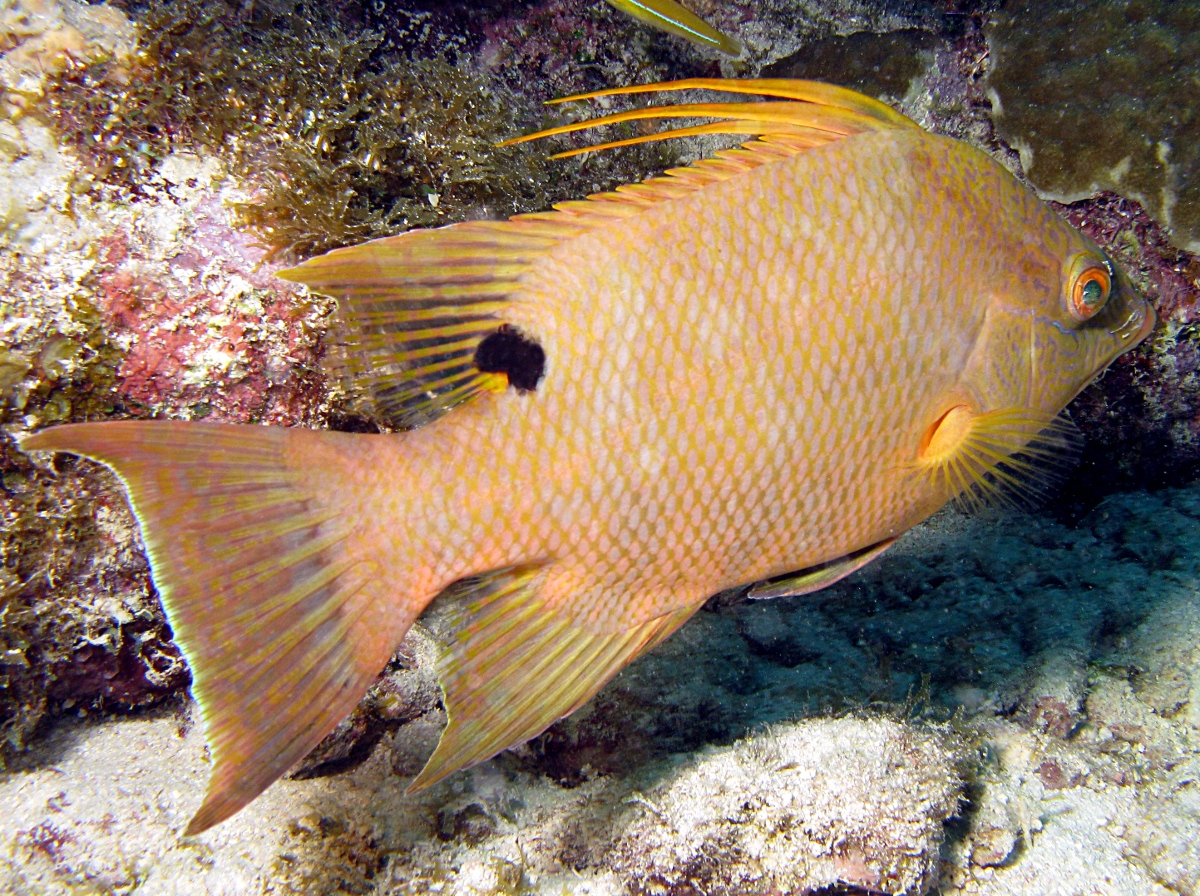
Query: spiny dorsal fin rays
[[756, 119], [805, 137], [813, 92]]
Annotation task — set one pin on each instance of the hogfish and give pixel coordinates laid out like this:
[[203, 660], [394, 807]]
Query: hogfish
[[759, 368]]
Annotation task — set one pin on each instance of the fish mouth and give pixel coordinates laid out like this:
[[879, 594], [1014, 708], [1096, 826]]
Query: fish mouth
[[1129, 333], [1135, 327]]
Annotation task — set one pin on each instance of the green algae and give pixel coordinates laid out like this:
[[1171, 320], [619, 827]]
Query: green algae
[[342, 140], [1102, 95]]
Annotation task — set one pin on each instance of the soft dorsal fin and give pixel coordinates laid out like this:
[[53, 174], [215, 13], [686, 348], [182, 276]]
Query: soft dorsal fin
[[415, 310], [421, 325]]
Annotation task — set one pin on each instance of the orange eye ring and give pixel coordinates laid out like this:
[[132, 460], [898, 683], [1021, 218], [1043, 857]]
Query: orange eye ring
[[1090, 290]]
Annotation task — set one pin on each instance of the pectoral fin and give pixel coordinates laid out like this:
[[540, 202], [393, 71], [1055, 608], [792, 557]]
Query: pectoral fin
[[517, 664], [806, 581], [1012, 458]]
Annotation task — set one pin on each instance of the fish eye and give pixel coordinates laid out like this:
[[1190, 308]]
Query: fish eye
[[1090, 285]]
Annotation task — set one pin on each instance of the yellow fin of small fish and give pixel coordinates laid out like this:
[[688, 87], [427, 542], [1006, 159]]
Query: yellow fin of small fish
[[282, 629], [415, 310], [669, 16], [1012, 459], [806, 581], [516, 665]]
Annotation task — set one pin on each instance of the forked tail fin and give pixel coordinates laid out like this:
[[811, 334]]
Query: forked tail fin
[[279, 614]]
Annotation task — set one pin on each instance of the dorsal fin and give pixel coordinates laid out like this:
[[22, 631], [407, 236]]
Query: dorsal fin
[[810, 115], [416, 311], [811, 111]]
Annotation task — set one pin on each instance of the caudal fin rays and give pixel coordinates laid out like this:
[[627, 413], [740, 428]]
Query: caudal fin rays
[[283, 625]]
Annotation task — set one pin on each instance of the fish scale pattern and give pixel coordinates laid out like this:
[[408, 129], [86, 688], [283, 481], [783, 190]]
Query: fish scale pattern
[[750, 371], [737, 382]]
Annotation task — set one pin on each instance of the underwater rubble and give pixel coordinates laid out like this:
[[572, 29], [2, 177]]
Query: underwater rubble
[[1029, 685]]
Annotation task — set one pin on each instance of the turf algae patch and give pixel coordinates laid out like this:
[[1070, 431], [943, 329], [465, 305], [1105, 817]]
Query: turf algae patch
[[80, 627], [399, 143], [1100, 95]]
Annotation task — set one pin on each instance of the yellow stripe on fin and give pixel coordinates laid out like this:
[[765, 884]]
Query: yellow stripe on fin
[[813, 115], [283, 626], [806, 581], [669, 16], [516, 665], [816, 93]]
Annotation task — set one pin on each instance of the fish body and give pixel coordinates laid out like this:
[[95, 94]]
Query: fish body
[[723, 403], [776, 360]]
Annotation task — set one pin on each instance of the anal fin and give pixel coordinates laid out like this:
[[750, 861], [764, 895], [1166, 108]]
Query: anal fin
[[517, 664], [814, 578]]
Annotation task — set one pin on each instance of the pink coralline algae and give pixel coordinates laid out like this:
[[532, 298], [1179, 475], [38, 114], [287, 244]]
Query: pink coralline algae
[[226, 340]]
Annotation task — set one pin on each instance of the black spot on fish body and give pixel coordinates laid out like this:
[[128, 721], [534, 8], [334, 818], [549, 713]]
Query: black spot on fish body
[[510, 352]]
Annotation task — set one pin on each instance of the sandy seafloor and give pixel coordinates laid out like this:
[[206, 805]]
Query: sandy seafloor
[[1001, 706]]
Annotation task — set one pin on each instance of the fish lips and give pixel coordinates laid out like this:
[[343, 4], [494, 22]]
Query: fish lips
[[1126, 335]]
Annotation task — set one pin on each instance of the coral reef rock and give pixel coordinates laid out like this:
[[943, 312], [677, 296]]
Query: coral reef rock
[[796, 808], [1102, 95]]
